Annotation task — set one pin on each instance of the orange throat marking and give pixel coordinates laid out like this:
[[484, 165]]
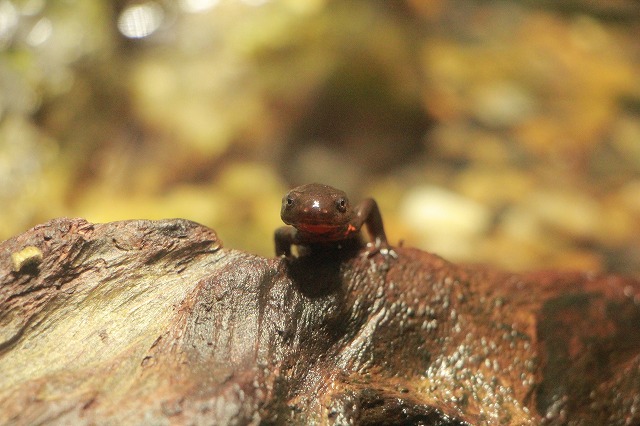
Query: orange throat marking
[[318, 229]]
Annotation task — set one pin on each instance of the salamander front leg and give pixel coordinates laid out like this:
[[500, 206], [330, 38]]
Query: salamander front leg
[[285, 236], [368, 213]]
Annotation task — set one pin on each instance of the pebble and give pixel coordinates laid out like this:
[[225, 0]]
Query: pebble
[[568, 211], [630, 195], [445, 221], [520, 225], [502, 104], [626, 141]]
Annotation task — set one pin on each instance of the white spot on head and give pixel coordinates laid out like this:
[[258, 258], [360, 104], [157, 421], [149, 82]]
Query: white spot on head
[[316, 204]]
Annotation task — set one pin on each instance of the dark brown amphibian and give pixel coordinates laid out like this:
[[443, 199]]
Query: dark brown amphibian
[[321, 214]]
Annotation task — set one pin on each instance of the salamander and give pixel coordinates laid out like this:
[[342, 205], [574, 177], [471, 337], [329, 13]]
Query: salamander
[[320, 214]]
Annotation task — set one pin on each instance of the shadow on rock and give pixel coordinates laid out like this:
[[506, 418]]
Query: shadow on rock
[[317, 270]]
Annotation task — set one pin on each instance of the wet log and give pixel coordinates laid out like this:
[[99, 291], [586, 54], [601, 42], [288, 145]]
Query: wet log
[[153, 322]]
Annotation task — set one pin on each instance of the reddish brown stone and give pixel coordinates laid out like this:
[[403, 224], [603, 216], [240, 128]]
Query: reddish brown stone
[[153, 322]]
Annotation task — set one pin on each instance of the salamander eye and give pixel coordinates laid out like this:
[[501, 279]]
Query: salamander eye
[[288, 201], [341, 205]]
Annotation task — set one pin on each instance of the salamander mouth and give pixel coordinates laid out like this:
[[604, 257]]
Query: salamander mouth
[[318, 228]]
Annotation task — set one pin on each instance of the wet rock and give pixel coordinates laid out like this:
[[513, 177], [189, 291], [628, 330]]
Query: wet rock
[[153, 322]]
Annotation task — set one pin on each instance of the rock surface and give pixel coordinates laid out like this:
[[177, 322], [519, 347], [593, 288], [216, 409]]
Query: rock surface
[[143, 322]]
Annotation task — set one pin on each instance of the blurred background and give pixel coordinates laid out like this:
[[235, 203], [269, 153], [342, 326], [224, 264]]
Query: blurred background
[[500, 132]]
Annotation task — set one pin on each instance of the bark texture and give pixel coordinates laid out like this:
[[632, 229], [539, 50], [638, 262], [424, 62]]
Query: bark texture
[[152, 322]]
